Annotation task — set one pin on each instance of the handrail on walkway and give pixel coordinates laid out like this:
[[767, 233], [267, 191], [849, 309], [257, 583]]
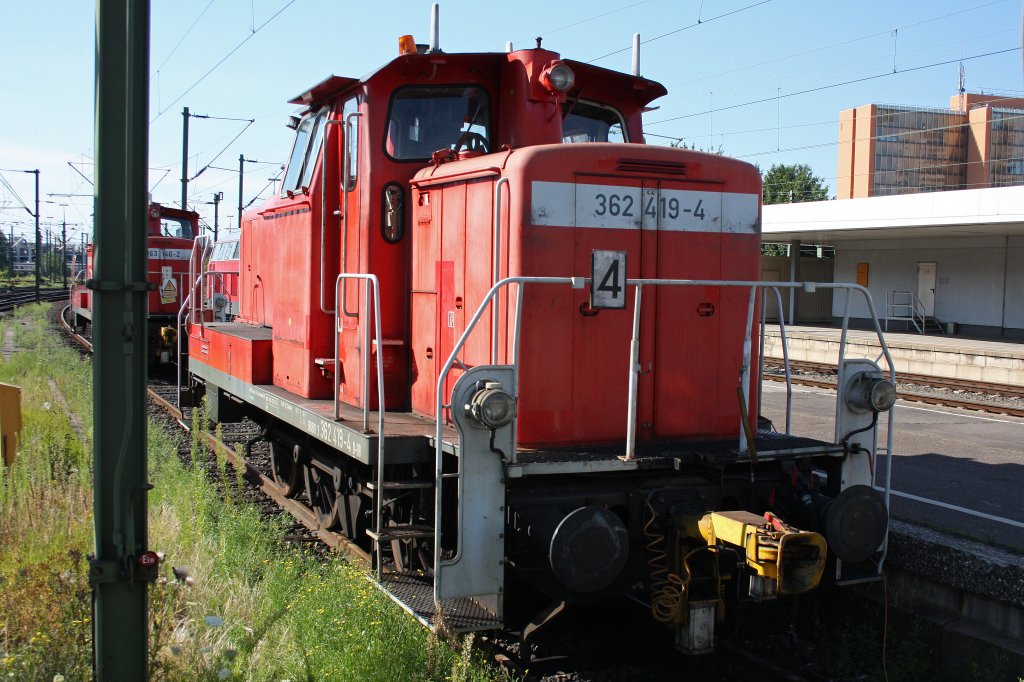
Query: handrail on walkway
[[638, 284]]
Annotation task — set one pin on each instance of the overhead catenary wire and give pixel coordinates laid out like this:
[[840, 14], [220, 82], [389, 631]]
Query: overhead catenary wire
[[833, 85], [883, 114], [223, 149], [181, 40], [697, 23], [833, 45], [836, 143], [222, 60], [587, 20], [872, 64], [11, 189]]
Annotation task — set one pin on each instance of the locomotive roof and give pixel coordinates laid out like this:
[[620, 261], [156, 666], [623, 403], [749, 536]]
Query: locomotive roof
[[646, 90]]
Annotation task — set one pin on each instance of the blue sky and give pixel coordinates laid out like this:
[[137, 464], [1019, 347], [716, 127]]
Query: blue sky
[[716, 57]]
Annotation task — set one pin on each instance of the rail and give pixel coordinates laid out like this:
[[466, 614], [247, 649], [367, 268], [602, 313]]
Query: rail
[[634, 370], [904, 306], [370, 284]]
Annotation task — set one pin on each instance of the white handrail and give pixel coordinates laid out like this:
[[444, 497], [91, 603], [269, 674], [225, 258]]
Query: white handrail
[[188, 300], [496, 273], [370, 282], [580, 282]]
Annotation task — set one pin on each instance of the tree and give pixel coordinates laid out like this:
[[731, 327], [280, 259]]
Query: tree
[[792, 183], [681, 144]]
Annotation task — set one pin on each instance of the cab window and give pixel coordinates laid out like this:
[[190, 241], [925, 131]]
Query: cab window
[[591, 122], [176, 227], [352, 144], [225, 251], [308, 137], [424, 120]]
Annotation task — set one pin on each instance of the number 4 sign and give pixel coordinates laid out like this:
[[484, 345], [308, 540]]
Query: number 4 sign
[[608, 279]]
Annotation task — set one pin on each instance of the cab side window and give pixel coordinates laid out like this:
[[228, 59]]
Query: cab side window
[[308, 140], [352, 140]]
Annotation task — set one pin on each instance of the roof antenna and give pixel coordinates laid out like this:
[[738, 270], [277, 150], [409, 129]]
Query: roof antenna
[[636, 54], [435, 28], [538, 39]]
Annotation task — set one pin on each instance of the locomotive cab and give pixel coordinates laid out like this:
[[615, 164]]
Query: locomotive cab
[[416, 329], [170, 233]]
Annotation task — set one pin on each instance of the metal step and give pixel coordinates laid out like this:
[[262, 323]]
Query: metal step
[[401, 485], [401, 533], [415, 594]]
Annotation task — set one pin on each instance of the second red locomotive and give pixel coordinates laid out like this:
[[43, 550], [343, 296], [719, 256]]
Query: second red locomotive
[[169, 237]]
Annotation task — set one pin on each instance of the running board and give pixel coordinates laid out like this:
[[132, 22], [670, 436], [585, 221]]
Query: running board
[[415, 594]]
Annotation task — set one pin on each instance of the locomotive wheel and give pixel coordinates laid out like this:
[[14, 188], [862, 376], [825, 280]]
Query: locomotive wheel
[[285, 469], [323, 497]]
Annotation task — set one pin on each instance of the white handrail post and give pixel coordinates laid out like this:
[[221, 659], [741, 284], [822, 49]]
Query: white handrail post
[[634, 372], [745, 367], [785, 360], [367, 351], [337, 334], [496, 274]]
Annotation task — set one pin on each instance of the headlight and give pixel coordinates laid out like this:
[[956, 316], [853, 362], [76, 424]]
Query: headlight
[[558, 78], [491, 406], [867, 393]]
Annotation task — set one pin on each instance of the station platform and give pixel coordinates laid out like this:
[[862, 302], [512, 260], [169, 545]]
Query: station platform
[[953, 357]]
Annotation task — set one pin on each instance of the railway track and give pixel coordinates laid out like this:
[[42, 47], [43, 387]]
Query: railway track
[[9, 300], [164, 395], [943, 383]]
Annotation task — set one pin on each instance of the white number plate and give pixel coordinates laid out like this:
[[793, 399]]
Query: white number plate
[[632, 208]]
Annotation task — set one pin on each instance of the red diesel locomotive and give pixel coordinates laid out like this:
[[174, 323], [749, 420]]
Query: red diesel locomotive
[[501, 344], [169, 236]]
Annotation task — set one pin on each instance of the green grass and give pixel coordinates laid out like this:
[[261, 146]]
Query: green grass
[[252, 608]]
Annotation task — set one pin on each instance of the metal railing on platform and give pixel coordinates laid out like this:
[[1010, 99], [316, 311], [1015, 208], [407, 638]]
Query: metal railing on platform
[[904, 306]]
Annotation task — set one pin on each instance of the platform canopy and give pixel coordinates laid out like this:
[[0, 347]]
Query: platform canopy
[[989, 212]]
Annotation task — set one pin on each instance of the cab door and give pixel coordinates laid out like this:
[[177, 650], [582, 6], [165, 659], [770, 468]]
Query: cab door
[[687, 222]]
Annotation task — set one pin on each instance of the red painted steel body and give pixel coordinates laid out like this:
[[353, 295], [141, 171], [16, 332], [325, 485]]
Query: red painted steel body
[[573, 383]]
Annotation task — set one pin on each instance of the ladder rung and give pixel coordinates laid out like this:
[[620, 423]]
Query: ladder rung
[[401, 485], [401, 533]]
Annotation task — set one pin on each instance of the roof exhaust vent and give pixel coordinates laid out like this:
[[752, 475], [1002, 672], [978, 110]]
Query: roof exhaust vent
[[636, 54], [435, 28]]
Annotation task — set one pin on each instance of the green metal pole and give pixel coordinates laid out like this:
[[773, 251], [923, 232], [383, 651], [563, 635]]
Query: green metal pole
[[241, 181], [64, 249], [117, 571], [184, 161], [39, 246]]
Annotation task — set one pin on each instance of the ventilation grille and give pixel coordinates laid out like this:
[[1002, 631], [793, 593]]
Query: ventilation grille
[[648, 167]]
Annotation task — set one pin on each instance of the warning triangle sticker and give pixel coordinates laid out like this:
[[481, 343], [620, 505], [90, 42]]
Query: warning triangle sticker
[[169, 291]]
